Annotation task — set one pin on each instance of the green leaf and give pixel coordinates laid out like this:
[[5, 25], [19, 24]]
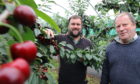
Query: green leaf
[[79, 54], [39, 54], [138, 18], [95, 58], [85, 62], [62, 52], [28, 34], [30, 3], [10, 42], [63, 43], [41, 81], [3, 51], [88, 56], [73, 61], [50, 78], [67, 51], [72, 56], [32, 79], [52, 50], [67, 55], [3, 44], [47, 19], [70, 46], [14, 35]]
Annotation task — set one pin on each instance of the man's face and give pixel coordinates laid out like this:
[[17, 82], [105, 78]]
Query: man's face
[[125, 28], [75, 27]]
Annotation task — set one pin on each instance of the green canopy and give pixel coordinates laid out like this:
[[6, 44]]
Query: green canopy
[[112, 32], [91, 31]]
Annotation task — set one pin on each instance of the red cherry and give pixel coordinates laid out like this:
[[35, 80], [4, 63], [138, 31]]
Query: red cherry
[[5, 65], [26, 50], [25, 15], [21, 65], [10, 75]]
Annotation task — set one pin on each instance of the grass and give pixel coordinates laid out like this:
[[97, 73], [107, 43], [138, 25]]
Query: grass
[[92, 79]]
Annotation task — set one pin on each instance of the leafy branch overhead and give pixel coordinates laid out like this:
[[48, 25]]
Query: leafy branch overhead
[[88, 57]]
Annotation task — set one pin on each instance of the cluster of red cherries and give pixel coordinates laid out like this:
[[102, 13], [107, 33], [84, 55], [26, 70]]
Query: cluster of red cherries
[[18, 70]]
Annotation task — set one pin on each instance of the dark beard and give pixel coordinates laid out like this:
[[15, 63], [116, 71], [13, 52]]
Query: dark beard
[[73, 35]]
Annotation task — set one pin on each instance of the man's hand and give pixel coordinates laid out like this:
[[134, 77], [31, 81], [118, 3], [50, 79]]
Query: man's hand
[[49, 33]]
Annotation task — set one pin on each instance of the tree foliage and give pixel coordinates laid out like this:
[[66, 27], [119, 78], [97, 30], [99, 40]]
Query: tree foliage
[[78, 6]]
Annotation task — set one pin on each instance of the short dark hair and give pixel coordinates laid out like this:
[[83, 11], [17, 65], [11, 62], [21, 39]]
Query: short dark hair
[[131, 17], [75, 17]]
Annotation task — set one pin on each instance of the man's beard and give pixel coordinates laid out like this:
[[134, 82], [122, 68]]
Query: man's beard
[[75, 35]]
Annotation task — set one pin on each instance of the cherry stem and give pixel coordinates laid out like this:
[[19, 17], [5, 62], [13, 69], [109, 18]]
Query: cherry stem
[[14, 30]]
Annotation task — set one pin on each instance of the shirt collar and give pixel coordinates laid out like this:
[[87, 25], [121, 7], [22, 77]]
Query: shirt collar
[[75, 42], [130, 41]]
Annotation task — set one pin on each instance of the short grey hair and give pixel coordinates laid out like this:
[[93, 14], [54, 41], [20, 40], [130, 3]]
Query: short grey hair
[[131, 17]]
